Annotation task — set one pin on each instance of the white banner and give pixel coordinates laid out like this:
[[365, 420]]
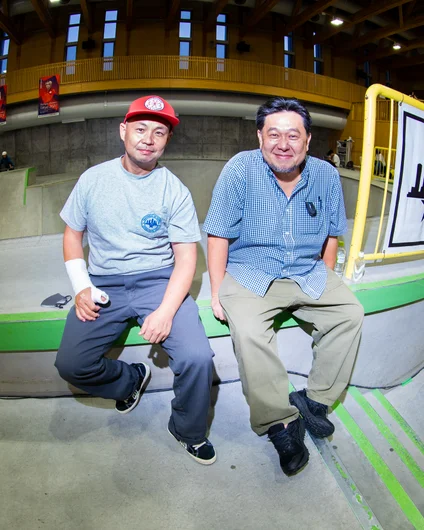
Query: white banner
[[405, 228]]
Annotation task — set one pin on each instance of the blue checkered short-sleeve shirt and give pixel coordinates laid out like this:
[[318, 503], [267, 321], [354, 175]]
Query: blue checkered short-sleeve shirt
[[269, 235]]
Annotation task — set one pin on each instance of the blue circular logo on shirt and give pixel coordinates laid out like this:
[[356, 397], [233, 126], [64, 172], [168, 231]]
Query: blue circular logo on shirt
[[151, 222]]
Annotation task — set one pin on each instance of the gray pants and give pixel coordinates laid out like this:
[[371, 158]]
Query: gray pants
[[337, 319], [81, 362]]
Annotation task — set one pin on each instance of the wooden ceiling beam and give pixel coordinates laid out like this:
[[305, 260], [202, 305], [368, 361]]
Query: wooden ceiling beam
[[44, 15], [215, 10], [358, 28], [388, 17], [258, 14], [130, 10], [7, 25], [386, 52], [406, 62], [380, 33], [400, 8], [376, 8], [86, 14], [410, 8], [296, 7], [308, 13], [170, 19]]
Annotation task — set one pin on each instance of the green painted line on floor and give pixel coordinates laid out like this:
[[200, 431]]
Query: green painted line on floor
[[407, 381], [409, 431], [403, 454], [387, 477]]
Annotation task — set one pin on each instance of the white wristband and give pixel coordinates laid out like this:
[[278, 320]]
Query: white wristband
[[78, 274]]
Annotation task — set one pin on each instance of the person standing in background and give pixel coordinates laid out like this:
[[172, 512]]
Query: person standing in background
[[333, 158], [6, 162]]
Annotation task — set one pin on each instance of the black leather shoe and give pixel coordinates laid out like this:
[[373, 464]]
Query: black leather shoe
[[290, 445], [314, 414]]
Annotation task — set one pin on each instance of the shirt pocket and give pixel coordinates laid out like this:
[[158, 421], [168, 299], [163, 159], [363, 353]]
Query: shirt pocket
[[310, 219], [155, 223]]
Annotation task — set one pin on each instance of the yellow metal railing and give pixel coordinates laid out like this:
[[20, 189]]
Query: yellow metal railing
[[371, 114], [156, 67], [381, 155]]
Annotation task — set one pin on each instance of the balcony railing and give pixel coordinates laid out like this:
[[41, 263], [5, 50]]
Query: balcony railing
[[173, 72], [382, 110]]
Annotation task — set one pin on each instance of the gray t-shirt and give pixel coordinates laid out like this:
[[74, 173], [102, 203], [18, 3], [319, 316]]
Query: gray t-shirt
[[131, 221]]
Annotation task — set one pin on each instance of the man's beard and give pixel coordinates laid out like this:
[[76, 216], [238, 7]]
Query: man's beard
[[284, 169], [288, 169]]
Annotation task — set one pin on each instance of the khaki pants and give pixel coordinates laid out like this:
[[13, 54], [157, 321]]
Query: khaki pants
[[337, 320]]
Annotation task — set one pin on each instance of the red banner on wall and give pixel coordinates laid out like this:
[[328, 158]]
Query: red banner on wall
[[48, 96], [3, 103]]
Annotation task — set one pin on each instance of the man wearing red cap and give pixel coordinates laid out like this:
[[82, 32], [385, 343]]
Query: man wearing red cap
[[142, 231]]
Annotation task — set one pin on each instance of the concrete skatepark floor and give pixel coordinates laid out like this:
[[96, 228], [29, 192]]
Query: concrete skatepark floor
[[74, 463]]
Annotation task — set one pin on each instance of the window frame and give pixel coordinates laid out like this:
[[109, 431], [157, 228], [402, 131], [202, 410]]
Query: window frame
[[4, 56], [221, 43], [70, 67], [289, 53], [367, 70], [184, 59], [108, 59], [318, 60]]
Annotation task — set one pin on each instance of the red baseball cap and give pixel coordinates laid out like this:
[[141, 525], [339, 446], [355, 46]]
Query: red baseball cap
[[154, 105]]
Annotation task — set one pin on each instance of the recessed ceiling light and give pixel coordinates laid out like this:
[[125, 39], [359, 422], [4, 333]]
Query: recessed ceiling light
[[337, 21], [396, 46]]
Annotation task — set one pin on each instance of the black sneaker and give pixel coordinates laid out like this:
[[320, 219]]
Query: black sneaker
[[127, 405], [290, 445], [204, 453], [314, 414]]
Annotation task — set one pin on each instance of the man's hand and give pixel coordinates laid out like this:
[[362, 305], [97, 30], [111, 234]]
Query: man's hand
[[85, 308], [217, 309], [157, 326]]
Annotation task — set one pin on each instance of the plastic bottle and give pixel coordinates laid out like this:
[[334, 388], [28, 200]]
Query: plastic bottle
[[340, 259], [358, 267]]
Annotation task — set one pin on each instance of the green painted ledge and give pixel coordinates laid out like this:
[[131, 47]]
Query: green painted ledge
[[43, 331], [28, 180]]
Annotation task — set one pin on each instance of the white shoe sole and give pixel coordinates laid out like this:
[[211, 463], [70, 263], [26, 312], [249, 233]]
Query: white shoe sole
[[198, 460], [145, 382]]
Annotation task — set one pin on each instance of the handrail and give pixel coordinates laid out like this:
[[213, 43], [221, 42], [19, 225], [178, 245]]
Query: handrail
[[367, 170], [190, 69]]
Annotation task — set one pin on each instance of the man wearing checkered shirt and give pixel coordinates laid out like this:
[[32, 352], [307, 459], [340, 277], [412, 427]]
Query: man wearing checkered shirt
[[272, 231]]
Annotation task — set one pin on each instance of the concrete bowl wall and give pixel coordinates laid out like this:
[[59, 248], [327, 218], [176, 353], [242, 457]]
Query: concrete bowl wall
[[40, 216]]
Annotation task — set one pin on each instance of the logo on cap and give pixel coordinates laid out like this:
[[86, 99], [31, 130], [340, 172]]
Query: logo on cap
[[154, 104]]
